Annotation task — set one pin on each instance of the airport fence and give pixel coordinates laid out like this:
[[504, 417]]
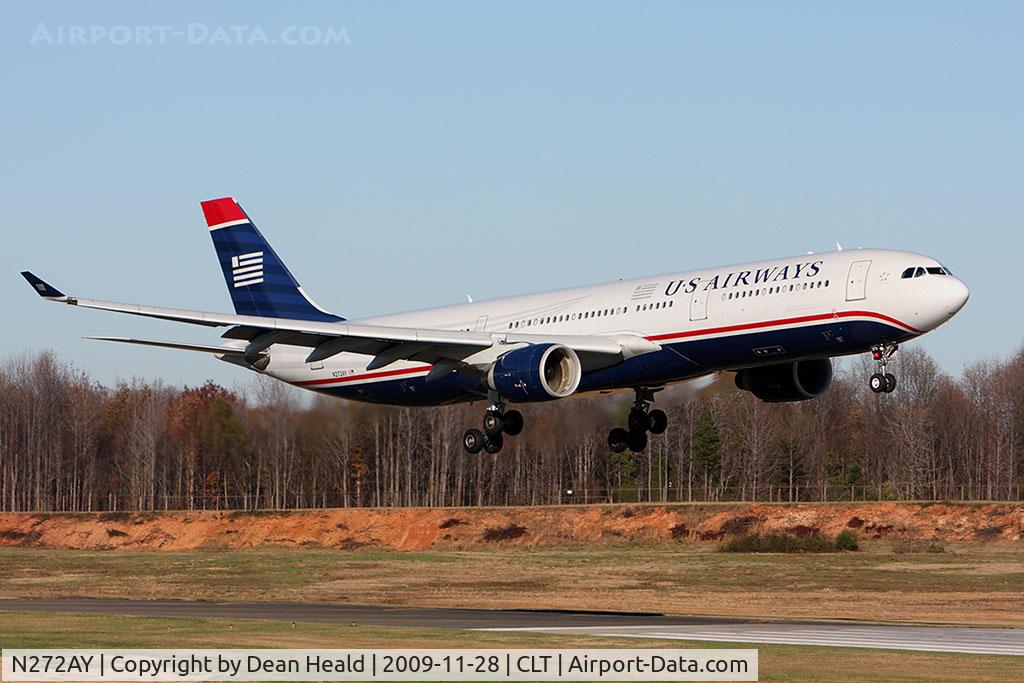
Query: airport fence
[[576, 497]]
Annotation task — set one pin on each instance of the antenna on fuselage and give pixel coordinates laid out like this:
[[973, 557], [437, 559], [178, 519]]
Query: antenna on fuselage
[[469, 299], [839, 247]]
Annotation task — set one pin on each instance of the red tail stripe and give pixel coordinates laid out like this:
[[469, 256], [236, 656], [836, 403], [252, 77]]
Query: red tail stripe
[[223, 210]]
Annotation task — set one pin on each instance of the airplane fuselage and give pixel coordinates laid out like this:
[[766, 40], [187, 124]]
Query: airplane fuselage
[[705, 321]]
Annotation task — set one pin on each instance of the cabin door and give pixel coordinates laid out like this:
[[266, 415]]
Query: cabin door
[[699, 304], [856, 283]]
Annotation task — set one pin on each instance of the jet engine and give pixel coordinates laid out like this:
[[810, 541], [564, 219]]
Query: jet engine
[[796, 381], [539, 372]]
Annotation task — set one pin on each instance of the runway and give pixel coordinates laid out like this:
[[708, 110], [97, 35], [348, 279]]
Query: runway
[[982, 641], [992, 641]]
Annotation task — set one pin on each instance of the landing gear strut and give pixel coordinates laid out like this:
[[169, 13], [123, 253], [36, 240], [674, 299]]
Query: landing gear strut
[[641, 421], [882, 381], [497, 421]]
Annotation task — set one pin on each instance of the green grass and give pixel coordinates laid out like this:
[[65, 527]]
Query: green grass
[[777, 662], [971, 584], [781, 542]]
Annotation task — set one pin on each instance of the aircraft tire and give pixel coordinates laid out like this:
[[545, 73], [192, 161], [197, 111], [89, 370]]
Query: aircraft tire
[[513, 420], [637, 441], [493, 443], [659, 421], [473, 441], [618, 440]]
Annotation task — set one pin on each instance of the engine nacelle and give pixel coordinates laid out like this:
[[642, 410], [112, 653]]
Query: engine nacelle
[[539, 372], [796, 381]]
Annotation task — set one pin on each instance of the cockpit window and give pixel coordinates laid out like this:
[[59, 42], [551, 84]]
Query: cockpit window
[[918, 271]]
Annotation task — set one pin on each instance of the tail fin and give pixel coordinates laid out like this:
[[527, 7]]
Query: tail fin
[[258, 281]]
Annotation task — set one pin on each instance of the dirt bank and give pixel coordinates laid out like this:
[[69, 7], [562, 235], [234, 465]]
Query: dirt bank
[[464, 528]]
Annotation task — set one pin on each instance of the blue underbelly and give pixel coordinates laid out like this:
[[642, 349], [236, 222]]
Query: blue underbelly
[[677, 360]]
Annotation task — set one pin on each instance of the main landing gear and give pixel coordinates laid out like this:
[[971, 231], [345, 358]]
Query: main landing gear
[[497, 421], [641, 421], [882, 381]]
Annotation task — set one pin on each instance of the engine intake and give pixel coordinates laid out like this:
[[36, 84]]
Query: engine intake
[[539, 372], [796, 381]]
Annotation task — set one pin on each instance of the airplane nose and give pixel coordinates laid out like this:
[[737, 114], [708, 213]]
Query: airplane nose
[[957, 296]]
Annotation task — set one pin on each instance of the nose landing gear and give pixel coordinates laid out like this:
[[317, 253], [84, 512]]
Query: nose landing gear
[[882, 381], [641, 421], [497, 421]]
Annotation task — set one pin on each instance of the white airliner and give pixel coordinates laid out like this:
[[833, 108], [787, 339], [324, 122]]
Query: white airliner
[[775, 323]]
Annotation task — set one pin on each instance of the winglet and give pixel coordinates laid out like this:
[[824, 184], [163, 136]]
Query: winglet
[[44, 289]]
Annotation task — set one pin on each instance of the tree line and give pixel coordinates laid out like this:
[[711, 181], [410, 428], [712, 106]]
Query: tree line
[[69, 444]]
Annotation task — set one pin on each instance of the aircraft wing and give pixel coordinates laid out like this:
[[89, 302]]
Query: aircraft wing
[[386, 343]]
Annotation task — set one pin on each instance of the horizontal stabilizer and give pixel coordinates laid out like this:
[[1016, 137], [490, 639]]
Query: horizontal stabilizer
[[220, 350]]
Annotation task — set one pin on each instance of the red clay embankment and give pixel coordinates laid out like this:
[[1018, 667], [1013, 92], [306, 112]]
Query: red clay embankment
[[467, 528]]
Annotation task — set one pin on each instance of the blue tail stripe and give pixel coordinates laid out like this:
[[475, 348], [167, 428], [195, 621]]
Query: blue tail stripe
[[259, 282]]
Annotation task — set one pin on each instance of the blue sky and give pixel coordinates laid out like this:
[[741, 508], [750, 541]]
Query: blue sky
[[448, 148]]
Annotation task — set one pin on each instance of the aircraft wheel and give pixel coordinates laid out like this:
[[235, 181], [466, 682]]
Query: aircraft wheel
[[493, 443], [473, 441], [618, 440], [513, 420], [890, 383], [638, 421], [637, 441], [493, 424], [877, 383], [659, 421]]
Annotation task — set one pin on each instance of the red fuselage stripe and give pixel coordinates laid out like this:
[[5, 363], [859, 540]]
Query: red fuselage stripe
[[368, 375], [784, 321], [656, 337]]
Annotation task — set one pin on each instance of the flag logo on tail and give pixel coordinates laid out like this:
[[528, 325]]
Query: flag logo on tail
[[247, 269]]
